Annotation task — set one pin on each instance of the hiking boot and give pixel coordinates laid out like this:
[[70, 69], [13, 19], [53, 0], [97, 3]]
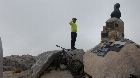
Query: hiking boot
[[73, 48]]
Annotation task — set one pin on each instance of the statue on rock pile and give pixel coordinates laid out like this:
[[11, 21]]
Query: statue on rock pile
[[114, 29], [116, 13]]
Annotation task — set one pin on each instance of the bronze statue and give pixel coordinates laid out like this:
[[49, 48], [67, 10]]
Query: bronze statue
[[116, 13]]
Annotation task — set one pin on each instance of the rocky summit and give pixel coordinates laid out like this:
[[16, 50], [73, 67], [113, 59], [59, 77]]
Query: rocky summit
[[114, 57], [114, 64]]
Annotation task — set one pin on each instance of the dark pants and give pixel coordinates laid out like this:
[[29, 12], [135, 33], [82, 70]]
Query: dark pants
[[73, 39]]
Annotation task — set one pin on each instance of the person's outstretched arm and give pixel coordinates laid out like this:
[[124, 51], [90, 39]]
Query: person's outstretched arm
[[71, 22]]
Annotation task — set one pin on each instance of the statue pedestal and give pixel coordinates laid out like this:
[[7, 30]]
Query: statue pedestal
[[113, 31]]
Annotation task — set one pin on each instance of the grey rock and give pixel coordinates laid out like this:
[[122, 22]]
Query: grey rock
[[46, 58], [42, 63], [76, 54], [23, 62], [1, 59]]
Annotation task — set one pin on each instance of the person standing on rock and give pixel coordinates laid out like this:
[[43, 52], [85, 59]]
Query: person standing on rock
[[73, 32]]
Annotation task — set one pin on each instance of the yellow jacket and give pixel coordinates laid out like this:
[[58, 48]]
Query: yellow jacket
[[73, 26]]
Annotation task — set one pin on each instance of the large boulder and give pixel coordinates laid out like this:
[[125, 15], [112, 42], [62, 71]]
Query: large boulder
[[42, 63], [115, 64], [47, 58]]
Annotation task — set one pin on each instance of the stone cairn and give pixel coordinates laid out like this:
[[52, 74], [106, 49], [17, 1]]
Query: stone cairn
[[114, 29], [112, 36]]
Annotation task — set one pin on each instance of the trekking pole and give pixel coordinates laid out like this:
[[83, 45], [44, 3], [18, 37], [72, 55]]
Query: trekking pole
[[63, 48]]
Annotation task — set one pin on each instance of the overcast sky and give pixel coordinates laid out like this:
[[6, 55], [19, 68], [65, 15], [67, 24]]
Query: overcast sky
[[36, 26]]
